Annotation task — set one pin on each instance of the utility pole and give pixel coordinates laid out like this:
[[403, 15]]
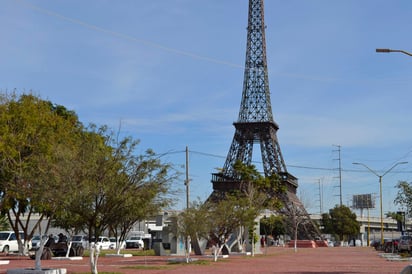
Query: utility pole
[[320, 189], [340, 173], [188, 242], [187, 177]]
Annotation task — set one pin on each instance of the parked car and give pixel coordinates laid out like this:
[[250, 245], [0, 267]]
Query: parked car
[[375, 244], [114, 242], [35, 241], [8, 241], [390, 245], [405, 243], [80, 240], [103, 242], [135, 242]]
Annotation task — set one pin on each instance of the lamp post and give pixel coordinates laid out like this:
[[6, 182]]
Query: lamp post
[[380, 188], [393, 50]]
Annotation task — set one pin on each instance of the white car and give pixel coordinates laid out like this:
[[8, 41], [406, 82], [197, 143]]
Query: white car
[[8, 241], [114, 243], [103, 242], [134, 242]]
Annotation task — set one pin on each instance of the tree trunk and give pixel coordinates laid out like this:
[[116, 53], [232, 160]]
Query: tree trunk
[[68, 249], [253, 244], [38, 254], [296, 239], [188, 249], [94, 255]]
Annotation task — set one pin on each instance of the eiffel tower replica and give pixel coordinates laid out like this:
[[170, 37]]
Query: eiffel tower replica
[[255, 125]]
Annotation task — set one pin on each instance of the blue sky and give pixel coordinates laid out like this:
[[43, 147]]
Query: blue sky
[[170, 73]]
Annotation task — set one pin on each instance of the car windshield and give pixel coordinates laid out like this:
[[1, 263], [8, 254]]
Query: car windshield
[[4, 236], [103, 239], [36, 238], [77, 238], [134, 238]]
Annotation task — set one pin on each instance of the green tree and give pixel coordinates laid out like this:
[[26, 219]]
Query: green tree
[[262, 191], [404, 196], [193, 224], [273, 225], [295, 215], [144, 191], [35, 141], [404, 200], [235, 212], [112, 188], [340, 221], [257, 193], [225, 220], [395, 216], [4, 223]]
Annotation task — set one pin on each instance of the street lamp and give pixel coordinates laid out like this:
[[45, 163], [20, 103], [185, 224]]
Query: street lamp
[[380, 187], [393, 50]]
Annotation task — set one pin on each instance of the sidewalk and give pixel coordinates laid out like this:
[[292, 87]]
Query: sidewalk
[[277, 260]]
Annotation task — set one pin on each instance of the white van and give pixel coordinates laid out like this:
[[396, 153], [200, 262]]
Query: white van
[[103, 242], [8, 241]]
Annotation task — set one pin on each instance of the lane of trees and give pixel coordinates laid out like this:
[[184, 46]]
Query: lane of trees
[[81, 178]]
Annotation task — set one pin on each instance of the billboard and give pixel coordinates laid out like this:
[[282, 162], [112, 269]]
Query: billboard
[[363, 201]]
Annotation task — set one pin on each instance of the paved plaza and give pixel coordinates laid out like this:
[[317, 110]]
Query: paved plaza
[[273, 260]]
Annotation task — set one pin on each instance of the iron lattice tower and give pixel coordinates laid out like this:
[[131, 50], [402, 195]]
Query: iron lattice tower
[[255, 123]]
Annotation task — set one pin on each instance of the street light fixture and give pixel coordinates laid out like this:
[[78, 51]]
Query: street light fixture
[[380, 188], [393, 50]]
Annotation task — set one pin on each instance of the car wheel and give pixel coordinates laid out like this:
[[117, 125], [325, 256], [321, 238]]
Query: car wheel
[[6, 249]]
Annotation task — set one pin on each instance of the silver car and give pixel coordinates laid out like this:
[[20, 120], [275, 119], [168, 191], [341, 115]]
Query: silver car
[[405, 243]]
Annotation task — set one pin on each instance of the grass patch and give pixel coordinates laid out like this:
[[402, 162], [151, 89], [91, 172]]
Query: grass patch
[[147, 267], [134, 252], [197, 262], [405, 255]]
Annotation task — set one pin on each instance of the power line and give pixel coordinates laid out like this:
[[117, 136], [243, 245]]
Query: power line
[[291, 166], [153, 44], [126, 36]]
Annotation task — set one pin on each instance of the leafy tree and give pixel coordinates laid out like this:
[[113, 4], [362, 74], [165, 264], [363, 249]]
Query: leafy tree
[[262, 191], [35, 141], [193, 224], [4, 223], [225, 218], [235, 213], [144, 191], [295, 215], [399, 217], [404, 200], [112, 188], [256, 193], [273, 225], [404, 196], [340, 221]]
